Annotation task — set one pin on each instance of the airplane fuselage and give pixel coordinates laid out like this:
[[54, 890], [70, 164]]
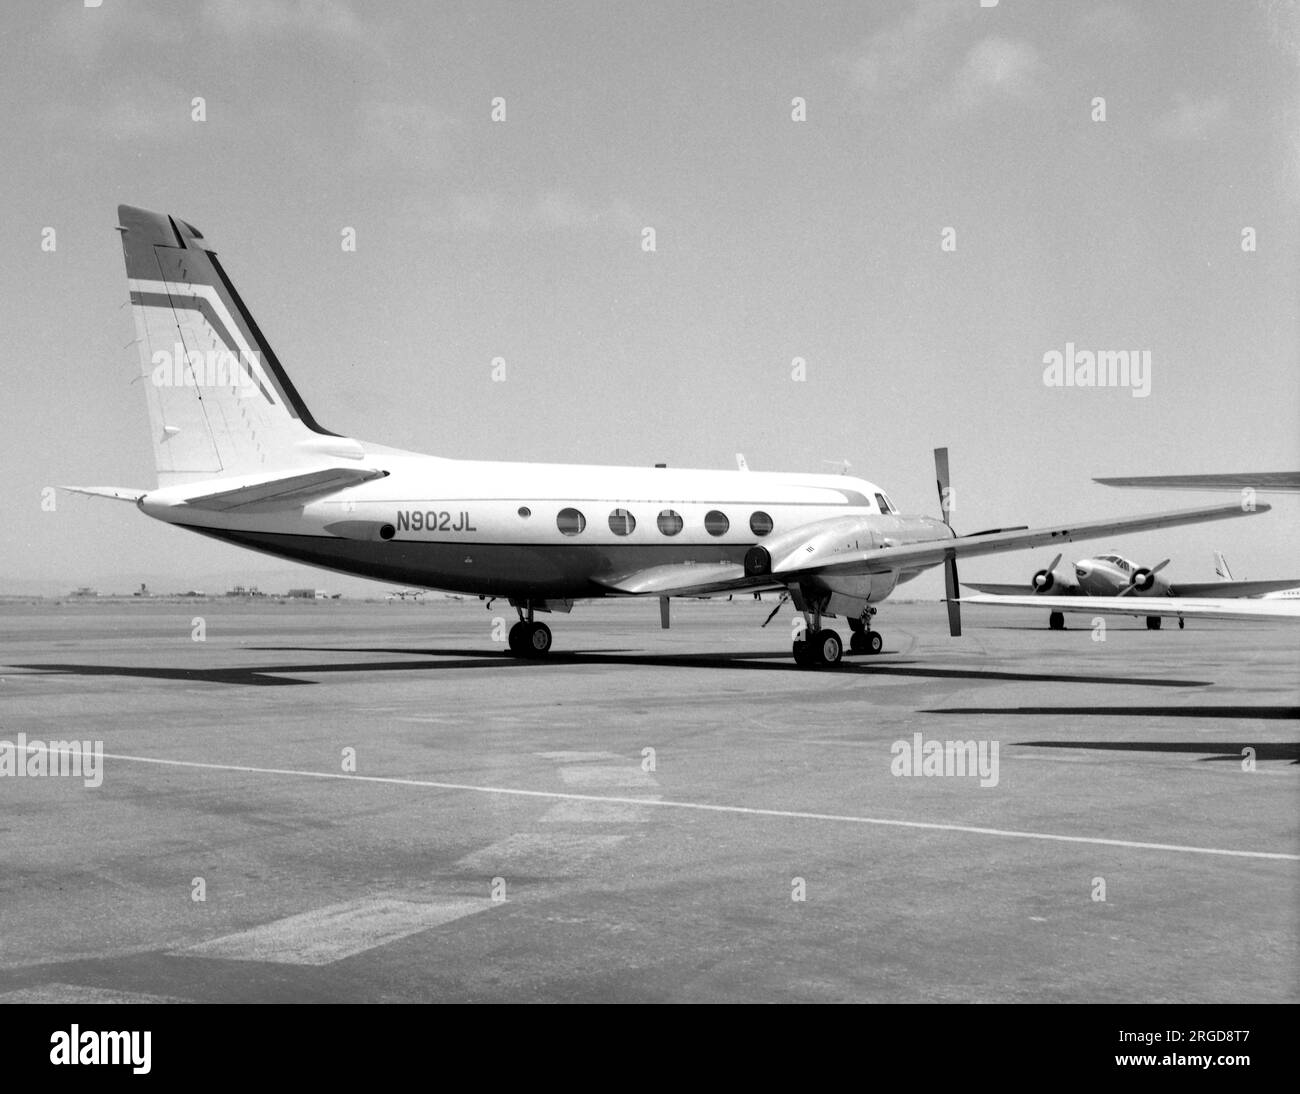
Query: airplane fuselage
[[549, 530]]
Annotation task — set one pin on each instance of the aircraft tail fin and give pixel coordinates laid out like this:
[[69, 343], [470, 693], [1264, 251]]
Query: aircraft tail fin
[[1221, 566], [220, 403]]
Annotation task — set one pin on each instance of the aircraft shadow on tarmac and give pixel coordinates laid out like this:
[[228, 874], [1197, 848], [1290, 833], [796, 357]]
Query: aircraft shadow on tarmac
[[1281, 713], [1207, 750], [437, 659]]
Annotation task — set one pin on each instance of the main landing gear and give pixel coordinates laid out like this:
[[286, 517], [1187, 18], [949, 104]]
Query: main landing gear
[[822, 646], [528, 638], [1056, 620]]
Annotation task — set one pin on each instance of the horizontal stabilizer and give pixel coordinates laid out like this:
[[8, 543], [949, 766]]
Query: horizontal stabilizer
[[117, 493], [284, 490]]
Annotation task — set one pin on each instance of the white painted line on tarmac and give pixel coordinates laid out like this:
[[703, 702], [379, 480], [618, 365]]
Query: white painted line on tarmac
[[705, 807], [325, 935]]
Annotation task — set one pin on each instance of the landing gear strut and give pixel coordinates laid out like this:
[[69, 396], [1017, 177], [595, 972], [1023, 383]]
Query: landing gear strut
[[528, 638]]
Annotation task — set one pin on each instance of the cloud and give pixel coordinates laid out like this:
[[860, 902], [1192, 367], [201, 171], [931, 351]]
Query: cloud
[[898, 57], [994, 68], [920, 56], [263, 18], [1192, 119], [550, 211]]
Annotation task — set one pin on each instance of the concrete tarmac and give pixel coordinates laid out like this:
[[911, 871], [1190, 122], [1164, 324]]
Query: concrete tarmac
[[357, 801]]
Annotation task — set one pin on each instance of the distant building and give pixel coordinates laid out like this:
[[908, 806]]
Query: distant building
[[307, 594], [244, 590], [85, 590]]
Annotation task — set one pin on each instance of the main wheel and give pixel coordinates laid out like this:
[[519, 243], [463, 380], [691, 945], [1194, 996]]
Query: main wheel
[[874, 642], [828, 647], [538, 640], [1056, 621], [804, 655], [858, 642], [515, 639], [1153, 622]]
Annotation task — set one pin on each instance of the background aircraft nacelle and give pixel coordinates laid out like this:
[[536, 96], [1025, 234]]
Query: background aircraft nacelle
[[1053, 581], [1146, 582]]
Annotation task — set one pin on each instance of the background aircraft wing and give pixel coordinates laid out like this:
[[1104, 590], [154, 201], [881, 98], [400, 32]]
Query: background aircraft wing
[[1232, 588], [1258, 480], [998, 590], [1189, 607], [919, 556]]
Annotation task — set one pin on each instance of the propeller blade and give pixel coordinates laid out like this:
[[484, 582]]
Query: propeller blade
[[941, 481], [954, 603], [1160, 566], [1054, 563]]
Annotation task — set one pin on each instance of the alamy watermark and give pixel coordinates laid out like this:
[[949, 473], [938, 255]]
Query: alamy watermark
[[71, 759], [181, 367], [1103, 368], [953, 758]]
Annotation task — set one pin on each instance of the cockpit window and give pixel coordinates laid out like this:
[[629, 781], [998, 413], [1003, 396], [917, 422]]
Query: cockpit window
[[883, 502]]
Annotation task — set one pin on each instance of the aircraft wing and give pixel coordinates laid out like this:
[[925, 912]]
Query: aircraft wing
[[283, 490], [919, 556], [711, 578], [1232, 588], [997, 590], [687, 579], [1186, 607]]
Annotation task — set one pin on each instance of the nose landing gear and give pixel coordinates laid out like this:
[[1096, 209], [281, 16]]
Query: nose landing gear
[[528, 638]]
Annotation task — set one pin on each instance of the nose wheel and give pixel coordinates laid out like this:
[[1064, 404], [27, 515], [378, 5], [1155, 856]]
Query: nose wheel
[[864, 639]]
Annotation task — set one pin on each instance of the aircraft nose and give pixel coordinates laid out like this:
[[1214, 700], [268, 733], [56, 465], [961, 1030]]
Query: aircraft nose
[[1082, 569]]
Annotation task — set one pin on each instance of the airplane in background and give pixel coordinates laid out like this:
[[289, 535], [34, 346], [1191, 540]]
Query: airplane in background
[[240, 458], [1198, 607], [1114, 575], [1291, 592]]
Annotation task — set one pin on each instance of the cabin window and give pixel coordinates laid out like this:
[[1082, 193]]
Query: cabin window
[[570, 522], [621, 522], [670, 523], [716, 523], [525, 512], [760, 523]]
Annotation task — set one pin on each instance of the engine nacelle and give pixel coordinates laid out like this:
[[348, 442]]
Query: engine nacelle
[[1146, 582], [1053, 583]]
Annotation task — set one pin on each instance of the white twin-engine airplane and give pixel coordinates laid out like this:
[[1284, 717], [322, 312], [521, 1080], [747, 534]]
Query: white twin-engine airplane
[[240, 458], [1114, 575]]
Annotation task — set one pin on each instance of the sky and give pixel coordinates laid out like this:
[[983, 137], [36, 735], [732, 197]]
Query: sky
[[952, 208]]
